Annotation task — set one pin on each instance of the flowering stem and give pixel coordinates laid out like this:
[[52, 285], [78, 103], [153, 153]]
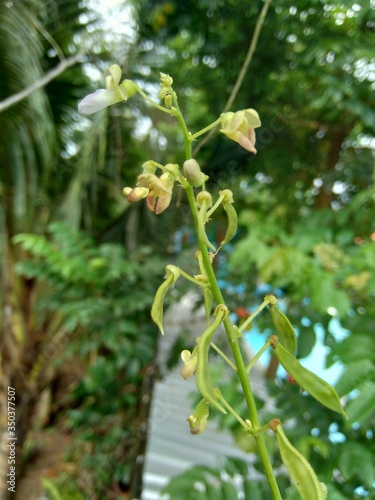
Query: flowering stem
[[258, 355], [246, 323], [206, 129], [232, 335], [233, 412], [193, 280], [155, 104], [224, 356], [215, 206]]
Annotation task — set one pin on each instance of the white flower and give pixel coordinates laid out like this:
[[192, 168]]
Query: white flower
[[112, 94]]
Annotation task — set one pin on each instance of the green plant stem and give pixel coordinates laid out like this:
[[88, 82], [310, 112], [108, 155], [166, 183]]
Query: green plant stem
[[231, 333], [252, 316], [225, 358], [187, 276], [206, 129], [155, 104], [258, 355], [239, 362]]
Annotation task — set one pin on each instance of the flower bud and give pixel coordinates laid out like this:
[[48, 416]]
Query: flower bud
[[163, 92], [126, 190], [198, 420], [137, 194], [204, 197], [190, 363], [193, 173], [165, 80], [168, 101], [173, 168]]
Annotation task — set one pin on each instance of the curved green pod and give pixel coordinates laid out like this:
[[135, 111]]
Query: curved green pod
[[284, 328], [171, 277], [232, 223], [202, 373], [300, 471], [316, 386]]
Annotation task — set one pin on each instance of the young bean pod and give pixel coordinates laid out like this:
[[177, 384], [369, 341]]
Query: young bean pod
[[300, 471], [231, 215], [202, 373], [286, 333], [171, 277], [204, 204], [317, 387]]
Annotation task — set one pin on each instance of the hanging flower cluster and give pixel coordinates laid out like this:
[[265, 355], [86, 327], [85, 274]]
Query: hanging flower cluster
[[156, 190]]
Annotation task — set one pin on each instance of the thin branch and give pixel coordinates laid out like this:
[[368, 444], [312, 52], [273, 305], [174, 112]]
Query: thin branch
[[243, 71], [46, 35], [51, 75]]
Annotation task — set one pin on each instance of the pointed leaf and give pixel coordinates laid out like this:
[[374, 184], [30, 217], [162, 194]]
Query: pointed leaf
[[363, 406]]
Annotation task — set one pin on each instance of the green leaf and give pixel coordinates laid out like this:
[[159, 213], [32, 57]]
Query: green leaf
[[354, 348], [355, 373], [235, 466], [228, 490], [357, 460], [363, 406], [325, 294], [252, 490], [305, 342]]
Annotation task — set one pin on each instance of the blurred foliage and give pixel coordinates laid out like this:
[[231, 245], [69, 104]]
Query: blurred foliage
[[102, 297]]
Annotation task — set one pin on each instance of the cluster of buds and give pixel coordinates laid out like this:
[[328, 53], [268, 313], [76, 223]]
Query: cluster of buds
[[166, 91], [156, 190]]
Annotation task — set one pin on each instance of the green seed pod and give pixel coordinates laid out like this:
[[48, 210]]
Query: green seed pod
[[204, 201], [202, 373], [232, 223], [286, 333], [317, 387], [193, 173], [300, 471], [173, 273]]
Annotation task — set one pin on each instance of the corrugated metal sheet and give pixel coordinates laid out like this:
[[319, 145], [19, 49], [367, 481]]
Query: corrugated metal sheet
[[171, 448]]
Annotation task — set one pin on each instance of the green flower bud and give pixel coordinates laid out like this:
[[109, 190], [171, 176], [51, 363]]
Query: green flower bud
[[198, 420], [193, 173], [165, 80], [163, 92], [137, 194], [168, 101], [190, 363], [204, 197]]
